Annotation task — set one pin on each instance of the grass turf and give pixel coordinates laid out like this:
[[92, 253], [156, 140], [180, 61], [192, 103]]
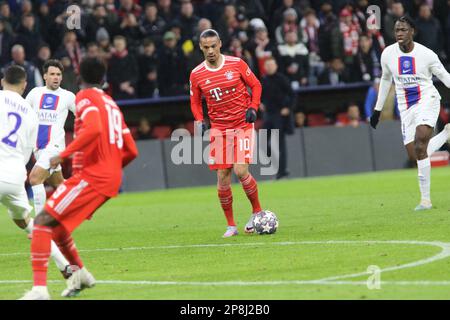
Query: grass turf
[[151, 237]]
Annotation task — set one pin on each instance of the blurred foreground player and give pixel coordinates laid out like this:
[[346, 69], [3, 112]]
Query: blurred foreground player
[[412, 67], [223, 81], [102, 147]]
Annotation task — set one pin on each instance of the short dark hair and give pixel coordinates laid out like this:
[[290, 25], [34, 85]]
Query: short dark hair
[[407, 19], [92, 70], [52, 63], [209, 33], [15, 74]]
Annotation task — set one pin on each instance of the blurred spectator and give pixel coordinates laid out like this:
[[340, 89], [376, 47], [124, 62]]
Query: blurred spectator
[[353, 117], [104, 44], [293, 60], [334, 73], [152, 25], [330, 37], [278, 101], [9, 20], [261, 48], [92, 50], [44, 21], [187, 20], [26, 7], [236, 50], [369, 65], [172, 68], [148, 68], [395, 11], [97, 22], [6, 41], [196, 56], [28, 36], [277, 17], [167, 10], [242, 31], [228, 24], [69, 77], [300, 119], [128, 7], [429, 31], [310, 26], [34, 78], [350, 30], [289, 24], [144, 130], [44, 53], [123, 72], [252, 8], [71, 48], [129, 28]]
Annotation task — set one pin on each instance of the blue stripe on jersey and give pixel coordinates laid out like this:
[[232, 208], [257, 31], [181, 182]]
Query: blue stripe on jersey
[[48, 102], [412, 96], [43, 136]]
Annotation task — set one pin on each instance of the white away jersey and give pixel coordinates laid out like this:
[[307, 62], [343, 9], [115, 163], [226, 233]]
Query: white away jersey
[[412, 73], [18, 132], [52, 107]]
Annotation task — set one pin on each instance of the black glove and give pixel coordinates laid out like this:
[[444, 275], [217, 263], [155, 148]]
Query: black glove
[[375, 118], [250, 116]]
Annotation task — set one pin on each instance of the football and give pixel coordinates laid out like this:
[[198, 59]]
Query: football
[[265, 222]]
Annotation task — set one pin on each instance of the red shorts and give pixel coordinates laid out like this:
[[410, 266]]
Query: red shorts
[[230, 146], [73, 202]]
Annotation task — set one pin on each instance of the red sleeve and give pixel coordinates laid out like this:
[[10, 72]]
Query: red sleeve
[[130, 151], [250, 80], [91, 128], [196, 98]]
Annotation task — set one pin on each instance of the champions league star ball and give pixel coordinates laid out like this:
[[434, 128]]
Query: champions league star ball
[[265, 222]]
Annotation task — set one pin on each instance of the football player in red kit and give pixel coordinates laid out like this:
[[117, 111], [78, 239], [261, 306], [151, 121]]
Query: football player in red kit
[[223, 81], [102, 146]]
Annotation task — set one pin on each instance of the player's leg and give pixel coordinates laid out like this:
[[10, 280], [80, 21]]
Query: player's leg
[[55, 179], [226, 199], [37, 177], [438, 140], [19, 210], [251, 190], [422, 138]]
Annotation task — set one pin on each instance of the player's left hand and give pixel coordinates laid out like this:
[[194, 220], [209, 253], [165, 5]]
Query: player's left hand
[[55, 161], [250, 116]]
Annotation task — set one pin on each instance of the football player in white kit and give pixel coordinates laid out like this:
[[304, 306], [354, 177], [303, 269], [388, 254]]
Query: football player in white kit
[[18, 133], [412, 67], [52, 103]]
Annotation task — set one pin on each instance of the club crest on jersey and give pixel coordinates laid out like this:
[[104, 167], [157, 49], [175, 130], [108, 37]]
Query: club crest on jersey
[[406, 65], [229, 75]]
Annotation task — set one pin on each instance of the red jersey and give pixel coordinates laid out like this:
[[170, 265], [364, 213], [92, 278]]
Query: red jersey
[[225, 91], [99, 141]]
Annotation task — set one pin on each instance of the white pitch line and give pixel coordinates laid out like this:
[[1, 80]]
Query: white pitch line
[[329, 280], [249, 283]]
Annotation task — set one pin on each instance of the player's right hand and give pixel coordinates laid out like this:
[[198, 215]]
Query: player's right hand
[[375, 118]]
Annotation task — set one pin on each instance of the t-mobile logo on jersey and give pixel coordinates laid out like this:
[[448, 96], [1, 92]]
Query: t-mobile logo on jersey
[[216, 93]]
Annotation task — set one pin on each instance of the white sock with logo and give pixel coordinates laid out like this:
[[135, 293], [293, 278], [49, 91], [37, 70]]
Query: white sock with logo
[[39, 197]]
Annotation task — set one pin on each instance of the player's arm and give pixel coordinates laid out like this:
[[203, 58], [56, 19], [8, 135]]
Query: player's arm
[[91, 128], [72, 104], [130, 150], [383, 91], [439, 71], [196, 104], [31, 141], [251, 81]]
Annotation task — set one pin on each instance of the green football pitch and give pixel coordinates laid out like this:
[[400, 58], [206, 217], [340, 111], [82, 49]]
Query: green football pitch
[[168, 245]]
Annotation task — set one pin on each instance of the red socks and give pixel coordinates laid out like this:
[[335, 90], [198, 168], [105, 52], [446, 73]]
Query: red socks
[[40, 253], [64, 241], [226, 201], [251, 190]]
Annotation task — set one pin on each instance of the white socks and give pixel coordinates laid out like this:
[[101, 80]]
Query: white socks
[[39, 197], [424, 173], [437, 142], [60, 261]]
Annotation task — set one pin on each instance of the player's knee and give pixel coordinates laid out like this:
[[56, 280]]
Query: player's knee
[[45, 219], [35, 179], [241, 171]]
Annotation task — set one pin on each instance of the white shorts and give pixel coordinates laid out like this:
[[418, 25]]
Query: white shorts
[[14, 197], [421, 114], [43, 157]]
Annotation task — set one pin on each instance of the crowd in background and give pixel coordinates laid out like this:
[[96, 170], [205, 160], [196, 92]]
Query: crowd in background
[[151, 46]]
